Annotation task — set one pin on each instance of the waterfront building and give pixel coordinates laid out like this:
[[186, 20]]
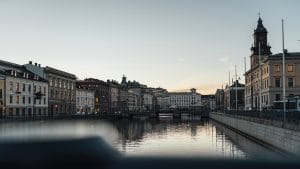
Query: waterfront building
[[185, 100], [148, 102], [137, 88], [62, 91], [114, 96], [85, 101], [163, 102], [267, 78], [132, 101], [219, 95], [2, 94], [234, 96], [101, 93], [123, 96], [22, 93], [208, 102]]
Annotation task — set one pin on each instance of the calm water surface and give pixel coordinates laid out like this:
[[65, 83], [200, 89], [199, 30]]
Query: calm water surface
[[188, 136], [185, 137]]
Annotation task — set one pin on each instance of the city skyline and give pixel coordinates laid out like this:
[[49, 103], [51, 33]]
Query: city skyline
[[176, 45]]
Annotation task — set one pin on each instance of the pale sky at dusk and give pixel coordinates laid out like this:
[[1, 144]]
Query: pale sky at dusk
[[168, 43]]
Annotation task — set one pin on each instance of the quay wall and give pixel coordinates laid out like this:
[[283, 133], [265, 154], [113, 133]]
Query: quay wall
[[281, 138]]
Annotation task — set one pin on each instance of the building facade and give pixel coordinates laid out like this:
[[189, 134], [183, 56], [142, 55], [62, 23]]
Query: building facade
[[219, 95], [147, 102], [114, 96], [185, 100], [208, 102], [132, 101], [24, 94], [62, 92], [267, 79], [234, 96], [163, 102], [101, 93], [85, 102], [2, 95]]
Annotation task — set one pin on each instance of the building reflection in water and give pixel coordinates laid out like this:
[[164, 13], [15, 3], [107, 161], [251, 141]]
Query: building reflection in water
[[189, 136], [185, 137]]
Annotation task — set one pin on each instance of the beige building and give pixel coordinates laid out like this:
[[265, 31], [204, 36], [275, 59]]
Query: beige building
[[185, 100], [268, 76], [24, 93]]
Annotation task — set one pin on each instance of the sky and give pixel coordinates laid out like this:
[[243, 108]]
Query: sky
[[174, 44]]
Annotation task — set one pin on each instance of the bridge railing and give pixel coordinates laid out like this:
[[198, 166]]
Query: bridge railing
[[273, 115]]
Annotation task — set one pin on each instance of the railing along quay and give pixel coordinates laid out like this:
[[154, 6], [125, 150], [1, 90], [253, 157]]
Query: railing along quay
[[269, 117]]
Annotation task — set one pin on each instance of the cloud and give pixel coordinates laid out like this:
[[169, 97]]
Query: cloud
[[224, 59], [180, 59]]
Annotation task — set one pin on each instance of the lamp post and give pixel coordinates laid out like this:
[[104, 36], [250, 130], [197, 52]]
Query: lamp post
[[260, 77], [283, 71]]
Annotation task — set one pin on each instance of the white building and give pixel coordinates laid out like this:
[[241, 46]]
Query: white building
[[26, 94], [85, 101], [185, 100]]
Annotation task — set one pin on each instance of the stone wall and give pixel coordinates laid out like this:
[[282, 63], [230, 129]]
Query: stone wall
[[284, 139]]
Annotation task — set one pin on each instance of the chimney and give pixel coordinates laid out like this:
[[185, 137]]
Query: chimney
[[39, 65], [30, 62], [35, 64]]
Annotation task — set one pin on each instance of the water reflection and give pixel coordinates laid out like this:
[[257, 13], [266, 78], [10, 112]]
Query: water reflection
[[188, 136]]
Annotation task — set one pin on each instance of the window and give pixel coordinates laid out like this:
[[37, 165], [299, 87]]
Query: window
[[29, 88], [0, 93], [17, 87], [277, 68], [11, 86], [17, 99], [10, 99], [29, 100], [34, 88], [23, 88], [23, 99], [290, 68], [44, 90], [44, 100], [55, 83], [23, 111], [277, 82], [40, 88], [17, 111], [50, 82], [277, 97], [10, 111], [290, 82]]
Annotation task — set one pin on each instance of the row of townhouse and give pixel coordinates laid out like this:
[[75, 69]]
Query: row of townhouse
[[33, 90]]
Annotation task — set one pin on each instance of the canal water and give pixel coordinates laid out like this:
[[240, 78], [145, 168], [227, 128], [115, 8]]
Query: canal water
[[185, 137]]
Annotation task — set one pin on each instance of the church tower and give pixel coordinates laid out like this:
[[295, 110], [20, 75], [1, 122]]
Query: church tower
[[260, 37]]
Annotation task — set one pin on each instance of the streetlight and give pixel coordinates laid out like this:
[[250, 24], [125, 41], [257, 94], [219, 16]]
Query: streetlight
[[283, 71]]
